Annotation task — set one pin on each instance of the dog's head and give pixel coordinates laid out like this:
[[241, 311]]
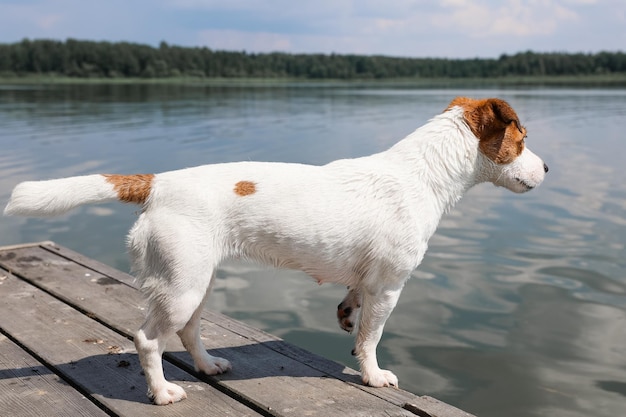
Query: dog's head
[[508, 162]]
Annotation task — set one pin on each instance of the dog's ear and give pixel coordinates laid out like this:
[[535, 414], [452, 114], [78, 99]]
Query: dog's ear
[[501, 134], [505, 113], [488, 116], [496, 125]]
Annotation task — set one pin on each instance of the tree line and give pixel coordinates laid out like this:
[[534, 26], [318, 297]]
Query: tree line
[[78, 58]]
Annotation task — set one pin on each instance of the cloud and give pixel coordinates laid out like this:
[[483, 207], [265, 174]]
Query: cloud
[[473, 17], [518, 18], [395, 27], [444, 28]]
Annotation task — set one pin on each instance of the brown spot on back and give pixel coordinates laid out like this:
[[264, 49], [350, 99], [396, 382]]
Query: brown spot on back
[[131, 188], [496, 125], [243, 188]]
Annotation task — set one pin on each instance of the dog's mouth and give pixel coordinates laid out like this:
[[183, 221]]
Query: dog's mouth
[[525, 184]]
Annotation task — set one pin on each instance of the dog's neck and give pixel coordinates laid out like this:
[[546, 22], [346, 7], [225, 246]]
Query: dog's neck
[[442, 157]]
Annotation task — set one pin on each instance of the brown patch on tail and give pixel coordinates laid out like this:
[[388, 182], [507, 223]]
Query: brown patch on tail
[[243, 188], [131, 188]]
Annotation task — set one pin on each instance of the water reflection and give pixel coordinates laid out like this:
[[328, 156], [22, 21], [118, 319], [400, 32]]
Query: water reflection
[[519, 308]]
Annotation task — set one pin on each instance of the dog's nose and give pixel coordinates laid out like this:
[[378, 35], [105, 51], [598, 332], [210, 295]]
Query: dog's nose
[[545, 168]]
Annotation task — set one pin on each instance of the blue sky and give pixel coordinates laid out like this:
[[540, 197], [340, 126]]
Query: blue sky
[[439, 28]]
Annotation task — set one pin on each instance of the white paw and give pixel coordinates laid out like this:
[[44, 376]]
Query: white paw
[[168, 394], [380, 378], [213, 365]]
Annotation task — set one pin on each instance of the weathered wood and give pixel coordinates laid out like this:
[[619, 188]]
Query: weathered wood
[[272, 375], [29, 389], [99, 361]]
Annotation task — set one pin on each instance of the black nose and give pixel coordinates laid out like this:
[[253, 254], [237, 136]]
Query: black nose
[[545, 168]]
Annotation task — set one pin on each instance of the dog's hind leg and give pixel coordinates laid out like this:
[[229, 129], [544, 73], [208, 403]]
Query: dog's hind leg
[[376, 307], [190, 336], [176, 276], [348, 309], [168, 313], [150, 341]]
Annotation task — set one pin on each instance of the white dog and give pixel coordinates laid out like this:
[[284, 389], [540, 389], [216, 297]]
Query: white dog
[[363, 223]]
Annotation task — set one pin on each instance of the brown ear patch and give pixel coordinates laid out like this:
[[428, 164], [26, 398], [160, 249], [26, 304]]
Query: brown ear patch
[[131, 188], [243, 188], [496, 125]]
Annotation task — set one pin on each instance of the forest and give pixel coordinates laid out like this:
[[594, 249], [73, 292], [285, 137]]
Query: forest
[[90, 59]]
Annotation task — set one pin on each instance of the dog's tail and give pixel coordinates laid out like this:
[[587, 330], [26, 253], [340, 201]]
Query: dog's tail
[[53, 197]]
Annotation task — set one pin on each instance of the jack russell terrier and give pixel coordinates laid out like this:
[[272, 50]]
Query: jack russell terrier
[[363, 223]]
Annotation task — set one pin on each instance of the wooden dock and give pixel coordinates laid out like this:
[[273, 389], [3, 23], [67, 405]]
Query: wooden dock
[[66, 326]]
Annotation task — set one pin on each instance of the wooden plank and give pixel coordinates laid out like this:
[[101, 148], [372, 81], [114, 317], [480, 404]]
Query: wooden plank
[[259, 373], [420, 405], [29, 389], [226, 337], [99, 362]]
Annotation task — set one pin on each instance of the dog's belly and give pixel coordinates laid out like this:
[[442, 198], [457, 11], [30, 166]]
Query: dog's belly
[[339, 255]]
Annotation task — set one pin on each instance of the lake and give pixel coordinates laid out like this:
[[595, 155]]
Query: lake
[[519, 307]]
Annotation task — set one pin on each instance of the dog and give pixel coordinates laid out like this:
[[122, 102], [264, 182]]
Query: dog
[[363, 223]]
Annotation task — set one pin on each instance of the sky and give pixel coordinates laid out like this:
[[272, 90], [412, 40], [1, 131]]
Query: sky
[[408, 28]]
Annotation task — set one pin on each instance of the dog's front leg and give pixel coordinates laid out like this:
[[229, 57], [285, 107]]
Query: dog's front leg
[[376, 307]]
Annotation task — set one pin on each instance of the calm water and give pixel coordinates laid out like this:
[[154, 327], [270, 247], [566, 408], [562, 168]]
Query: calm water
[[519, 308]]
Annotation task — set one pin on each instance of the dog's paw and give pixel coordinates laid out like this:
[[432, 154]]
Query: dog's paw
[[379, 378], [213, 365], [168, 394]]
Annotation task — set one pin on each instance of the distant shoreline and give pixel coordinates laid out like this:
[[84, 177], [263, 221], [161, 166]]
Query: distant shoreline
[[79, 60], [603, 80]]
